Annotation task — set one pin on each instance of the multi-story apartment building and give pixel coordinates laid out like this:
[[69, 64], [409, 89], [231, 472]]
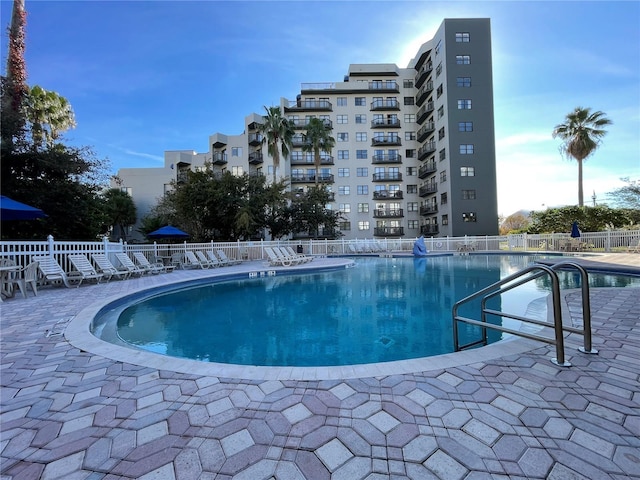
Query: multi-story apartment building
[[415, 146]]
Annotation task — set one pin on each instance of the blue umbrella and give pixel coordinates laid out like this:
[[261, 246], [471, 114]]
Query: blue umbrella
[[575, 231], [13, 210], [168, 231]]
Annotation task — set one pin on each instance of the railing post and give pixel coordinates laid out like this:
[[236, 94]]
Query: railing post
[[50, 245]]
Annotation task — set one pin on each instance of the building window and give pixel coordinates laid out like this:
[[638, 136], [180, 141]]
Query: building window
[[463, 81], [409, 100], [409, 135], [343, 136], [412, 206], [410, 153], [364, 225], [443, 176], [363, 189], [438, 47], [468, 194], [440, 112], [462, 37], [469, 217], [464, 104], [445, 220], [167, 188], [361, 118], [412, 224], [342, 119], [465, 126], [407, 83], [439, 91], [237, 171], [409, 118], [412, 171], [361, 154], [463, 59], [361, 136], [236, 151], [343, 154], [362, 172], [443, 199], [344, 190], [412, 188], [363, 208], [341, 101], [361, 101], [345, 207], [467, 171], [346, 226], [442, 154], [441, 133], [466, 149], [343, 172], [438, 69], [129, 190]]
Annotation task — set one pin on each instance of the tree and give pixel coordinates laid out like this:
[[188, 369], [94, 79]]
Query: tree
[[309, 213], [514, 223], [277, 134], [590, 219], [49, 115], [581, 133], [119, 210], [318, 139], [627, 196]]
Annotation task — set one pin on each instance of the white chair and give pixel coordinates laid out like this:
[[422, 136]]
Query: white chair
[[192, 260], [292, 253], [126, 263], [226, 260], [146, 265], [82, 264], [213, 260], [206, 261], [25, 277], [106, 268], [275, 260], [52, 271]]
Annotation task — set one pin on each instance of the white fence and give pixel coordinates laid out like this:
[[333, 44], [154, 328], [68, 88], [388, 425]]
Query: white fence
[[608, 241]]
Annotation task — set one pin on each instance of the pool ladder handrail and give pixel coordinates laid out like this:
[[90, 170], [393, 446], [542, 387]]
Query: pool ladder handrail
[[559, 328]]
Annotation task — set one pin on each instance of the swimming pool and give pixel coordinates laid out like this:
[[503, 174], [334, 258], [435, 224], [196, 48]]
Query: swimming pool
[[380, 311]]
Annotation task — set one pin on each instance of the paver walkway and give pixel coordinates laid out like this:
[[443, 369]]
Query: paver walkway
[[70, 414]]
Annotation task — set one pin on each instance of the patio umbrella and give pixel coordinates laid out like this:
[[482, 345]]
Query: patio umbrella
[[13, 210], [575, 231], [168, 231]]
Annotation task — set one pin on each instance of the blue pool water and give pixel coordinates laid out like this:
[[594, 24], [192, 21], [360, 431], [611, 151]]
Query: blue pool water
[[383, 309]]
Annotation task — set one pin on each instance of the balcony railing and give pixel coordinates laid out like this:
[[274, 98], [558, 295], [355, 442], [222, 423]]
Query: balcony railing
[[255, 157], [388, 231], [388, 213], [386, 158], [385, 86], [428, 209], [387, 176], [430, 189], [298, 192], [426, 149], [429, 229], [219, 158], [388, 104], [424, 112], [427, 169], [427, 129], [424, 92], [302, 123], [386, 140], [298, 140], [387, 194], [308, 160], [385, 123], [309, 105], [423, 73], [255, 139], [311, 178]]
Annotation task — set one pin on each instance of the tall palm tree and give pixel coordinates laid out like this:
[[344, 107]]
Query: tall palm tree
[[581, 133], [49, 115], [318, 139], [277, 134]]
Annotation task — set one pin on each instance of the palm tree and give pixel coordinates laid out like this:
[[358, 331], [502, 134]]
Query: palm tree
[[318, 139], [49, 115], [581, 133], [277, 134]]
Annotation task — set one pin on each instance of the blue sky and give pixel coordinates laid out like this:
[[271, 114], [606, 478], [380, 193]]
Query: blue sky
[[145, 77]]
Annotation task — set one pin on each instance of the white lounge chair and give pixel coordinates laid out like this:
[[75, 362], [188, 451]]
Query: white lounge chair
[[275, 260], [634, 248], [127, 264], [202, 258], [191, 259], [52, 271], [146, 265], [226, 260], [213, 260], [82, 264], [292, 253], [106, 268]]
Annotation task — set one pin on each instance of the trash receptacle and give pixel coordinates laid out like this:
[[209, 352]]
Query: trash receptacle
[[299, 249]]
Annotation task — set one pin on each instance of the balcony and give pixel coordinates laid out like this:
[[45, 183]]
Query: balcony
[[424, 92], [387, 86], [428, 209], [429, 189], [255, 139], [386, 158], [311, 178], [388, 213], [301, 124], [426, 149], [388, 231], [429, 229], [387, 194], [427, 169], [255, 158], [388, 104], [382, 140], [182, 176], [298, 192], [422, 74], [219, 158], [424, 112], [298, 140], [387, 177], [385, 123], [309, 106], [427, 129], [308, 160]]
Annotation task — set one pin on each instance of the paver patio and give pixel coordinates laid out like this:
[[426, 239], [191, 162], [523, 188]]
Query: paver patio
[[68, 413]]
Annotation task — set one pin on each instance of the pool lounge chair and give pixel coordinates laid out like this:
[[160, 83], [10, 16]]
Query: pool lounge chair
[[146, 265], [291, 252], [634, 248], [52, 272], [106, 268], [213, 260], [127, 264], [82, 264], [226, 260], [210, 263], [275, 260], [191, 259]]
